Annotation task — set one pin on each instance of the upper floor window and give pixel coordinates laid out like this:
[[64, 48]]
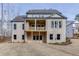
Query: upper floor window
[[33, 25], [56, 24], [51, 36], [42, 25], [23, 26], [14, 26], [52, 24], [60, 24], [58, 36]]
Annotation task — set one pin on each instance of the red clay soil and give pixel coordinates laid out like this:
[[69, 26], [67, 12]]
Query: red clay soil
[[4, 39]]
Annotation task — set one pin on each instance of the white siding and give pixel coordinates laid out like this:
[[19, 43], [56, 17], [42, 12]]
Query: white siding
[[19, 31], [56, 31], [69, 31]]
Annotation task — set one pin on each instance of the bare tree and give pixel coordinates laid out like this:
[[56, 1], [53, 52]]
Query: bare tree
[[1, 20]]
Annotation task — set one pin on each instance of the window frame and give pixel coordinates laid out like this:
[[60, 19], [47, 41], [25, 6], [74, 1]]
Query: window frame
[[23, 26], [14, 26], [15, 37], [32, 25], [23, 37], [52, 24], [56, 24], [58, 36], [60, 24], [51, 36]]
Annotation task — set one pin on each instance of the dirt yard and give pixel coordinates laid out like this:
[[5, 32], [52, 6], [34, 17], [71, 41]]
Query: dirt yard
[[39, 49]]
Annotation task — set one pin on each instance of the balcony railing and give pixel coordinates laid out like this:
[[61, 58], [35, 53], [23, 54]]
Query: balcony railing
[[40, 28], [76, 32], [31, 28], [37, 28]]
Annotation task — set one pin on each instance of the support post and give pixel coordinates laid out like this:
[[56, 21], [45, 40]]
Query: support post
[[39, 35], [35, 24], [31, 35]]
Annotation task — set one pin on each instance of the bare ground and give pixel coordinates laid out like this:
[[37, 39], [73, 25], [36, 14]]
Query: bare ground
[[36, 48]]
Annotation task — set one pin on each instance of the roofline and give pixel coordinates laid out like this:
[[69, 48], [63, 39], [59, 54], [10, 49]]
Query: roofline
[[39, 13], [17, 21], [46, 18], [70, 24]]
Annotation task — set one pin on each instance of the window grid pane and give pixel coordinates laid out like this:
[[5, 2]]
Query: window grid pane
[[51, 36], [56, 24], [15, 37], [52, 24], [14, 26], [58, 36], [22, 26], [60, 24], [23, 37]]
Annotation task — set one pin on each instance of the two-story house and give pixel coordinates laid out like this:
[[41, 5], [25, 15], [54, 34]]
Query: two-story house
[[76, 29], [46, 25], [69, 29]]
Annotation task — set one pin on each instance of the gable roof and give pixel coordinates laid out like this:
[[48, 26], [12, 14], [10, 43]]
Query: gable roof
[[19, 19], [69, 23], [43, 11], [47, 11], [39, 11]]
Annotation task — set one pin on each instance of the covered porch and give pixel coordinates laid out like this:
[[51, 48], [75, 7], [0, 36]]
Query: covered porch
[[36, 36]]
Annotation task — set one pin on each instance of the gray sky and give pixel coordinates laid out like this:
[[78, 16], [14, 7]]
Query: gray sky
[[67, 9]]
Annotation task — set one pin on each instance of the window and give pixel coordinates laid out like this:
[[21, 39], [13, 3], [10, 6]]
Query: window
[[38, 25], [40, 37], [23, 37], [32, 25], [42, 25], [15, 37], [14, 26], [60, 24], [58, 36], [23, 26], [37, 37], [33, 37], [56, 24], [51, 36], [52, 24]]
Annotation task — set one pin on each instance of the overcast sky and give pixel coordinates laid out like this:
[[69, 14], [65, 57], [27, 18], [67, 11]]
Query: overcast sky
[[68, 10]]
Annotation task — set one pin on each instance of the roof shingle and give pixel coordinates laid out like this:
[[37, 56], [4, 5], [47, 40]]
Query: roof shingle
[[43, 11], [19, 19]]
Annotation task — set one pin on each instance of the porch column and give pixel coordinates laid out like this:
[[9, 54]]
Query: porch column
[[35, 24], [39, 35], [25, 36], [31, 35]]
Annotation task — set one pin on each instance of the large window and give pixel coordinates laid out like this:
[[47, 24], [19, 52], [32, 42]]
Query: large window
[[14, 26], [23, 37], [56, 24], [52, 24], [23, 26], [58, 36], [51, 36], [60, 24], [34, 37], [15, 37]]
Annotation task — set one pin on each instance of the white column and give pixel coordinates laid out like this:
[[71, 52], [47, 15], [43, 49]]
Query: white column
[[35, 24], [31, 35], [39, 35], [25, 34]]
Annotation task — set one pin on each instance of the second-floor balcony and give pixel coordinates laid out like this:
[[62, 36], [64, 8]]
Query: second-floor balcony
[[35, 25], [37, 28]]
